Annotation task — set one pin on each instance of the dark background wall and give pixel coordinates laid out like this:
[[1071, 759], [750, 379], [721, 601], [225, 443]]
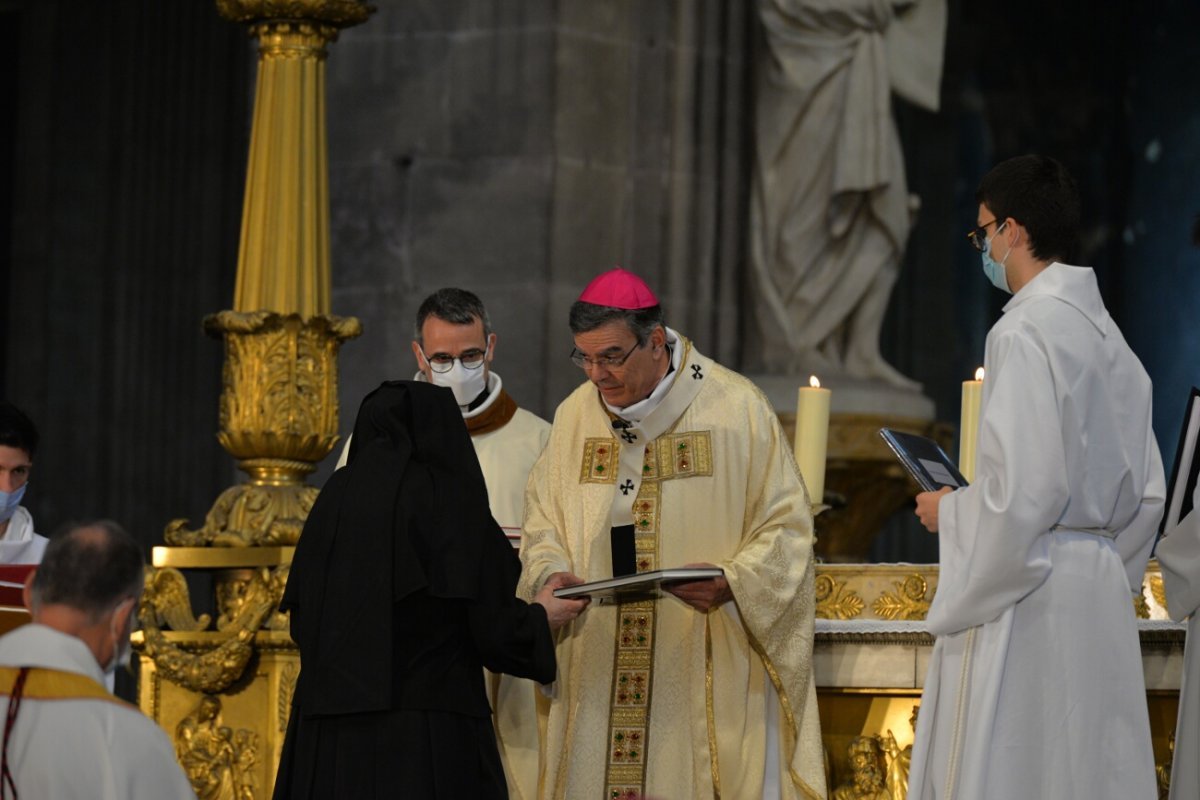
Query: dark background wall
[[126, 141], [517, 149]]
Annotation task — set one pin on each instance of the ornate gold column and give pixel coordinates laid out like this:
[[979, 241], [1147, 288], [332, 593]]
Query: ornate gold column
[[221, 683]]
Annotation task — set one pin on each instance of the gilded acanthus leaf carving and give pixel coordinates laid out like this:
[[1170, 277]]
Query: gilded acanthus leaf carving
[[834, 601], [908, 603], [1158, 590], [249, 514], [1140, 607]]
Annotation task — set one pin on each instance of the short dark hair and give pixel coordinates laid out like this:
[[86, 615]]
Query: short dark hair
[[89, 566], [1039, 193], [456, 306], [642, 321], [16, 429]]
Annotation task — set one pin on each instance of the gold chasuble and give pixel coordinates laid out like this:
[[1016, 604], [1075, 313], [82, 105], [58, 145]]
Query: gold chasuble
[[655, 697]]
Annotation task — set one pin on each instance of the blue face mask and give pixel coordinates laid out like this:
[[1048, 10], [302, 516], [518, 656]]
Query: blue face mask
[[9, 502], [995, 269]]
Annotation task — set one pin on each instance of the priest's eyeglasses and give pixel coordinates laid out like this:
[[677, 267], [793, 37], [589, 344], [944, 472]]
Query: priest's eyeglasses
[[978, 235], [444, 362], [608, 362]]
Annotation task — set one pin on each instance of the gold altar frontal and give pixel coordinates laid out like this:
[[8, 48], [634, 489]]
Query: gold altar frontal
[[871, 655]]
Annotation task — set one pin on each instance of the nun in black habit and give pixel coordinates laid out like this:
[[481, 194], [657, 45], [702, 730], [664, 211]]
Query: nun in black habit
[[401, 590]]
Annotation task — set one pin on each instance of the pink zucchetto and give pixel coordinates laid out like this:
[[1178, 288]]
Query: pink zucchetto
[[619, 288]]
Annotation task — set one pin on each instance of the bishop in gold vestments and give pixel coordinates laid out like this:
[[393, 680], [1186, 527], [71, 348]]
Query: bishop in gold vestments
[[658, 697]]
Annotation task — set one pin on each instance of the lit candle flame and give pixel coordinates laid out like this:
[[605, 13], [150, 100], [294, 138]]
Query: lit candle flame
[[979, 374], [813, 382]]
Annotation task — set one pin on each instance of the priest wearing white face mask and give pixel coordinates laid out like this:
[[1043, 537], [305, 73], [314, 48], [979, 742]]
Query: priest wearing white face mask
[[18, 444], [1035, 684], [454, 346], [67, 736]]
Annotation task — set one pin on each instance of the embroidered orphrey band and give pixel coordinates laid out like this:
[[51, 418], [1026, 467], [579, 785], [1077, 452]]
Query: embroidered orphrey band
[[633, 663], [675, 455]]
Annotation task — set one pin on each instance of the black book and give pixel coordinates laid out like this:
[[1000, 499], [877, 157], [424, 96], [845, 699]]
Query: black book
[[643, 583], [1187, 467], [924, 459]]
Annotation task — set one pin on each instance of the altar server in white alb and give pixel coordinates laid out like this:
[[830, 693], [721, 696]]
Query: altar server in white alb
[[1035, 686], [18, 444], [67, 736], [454, 346]]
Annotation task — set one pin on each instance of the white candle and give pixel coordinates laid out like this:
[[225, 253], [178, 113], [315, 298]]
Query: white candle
[[968, 425], [812, 436]]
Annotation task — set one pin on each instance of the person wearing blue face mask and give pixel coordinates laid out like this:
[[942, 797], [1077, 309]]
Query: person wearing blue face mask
[[1037, 664], [18, 443]]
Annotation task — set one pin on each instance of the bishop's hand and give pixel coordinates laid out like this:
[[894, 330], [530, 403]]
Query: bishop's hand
[[702, 595]]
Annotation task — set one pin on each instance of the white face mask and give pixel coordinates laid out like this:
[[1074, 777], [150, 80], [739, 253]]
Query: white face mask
[[467, 384], [9, 502]]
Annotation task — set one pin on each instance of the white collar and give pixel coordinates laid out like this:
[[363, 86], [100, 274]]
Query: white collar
[[493, 389], [35, 645], [20, 527], [640, 410], [1075, 286]]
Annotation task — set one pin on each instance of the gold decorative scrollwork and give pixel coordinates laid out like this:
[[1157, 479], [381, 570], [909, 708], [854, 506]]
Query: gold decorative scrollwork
[[280, 395], [1162, 771], [218, 761], [249, 514], [868, 778], [1158, 590], [287, 688], [908, 603], [255, 605], [834, 600], [166, 601], [1140, 607], [278, 416]]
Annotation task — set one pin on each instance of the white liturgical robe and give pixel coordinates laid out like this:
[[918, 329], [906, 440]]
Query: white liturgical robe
[[19, 544], [1179, 555], [1035, 685], [81, 745]]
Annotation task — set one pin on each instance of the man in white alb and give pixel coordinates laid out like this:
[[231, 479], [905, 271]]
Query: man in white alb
[[67, 736], [1035, 685], [454, 346]]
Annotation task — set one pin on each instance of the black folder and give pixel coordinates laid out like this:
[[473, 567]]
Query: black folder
[[924, 459]]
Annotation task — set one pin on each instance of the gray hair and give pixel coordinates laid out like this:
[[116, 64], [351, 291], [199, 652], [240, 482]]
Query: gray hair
[[456, 306], [641, 321], [91, 567]]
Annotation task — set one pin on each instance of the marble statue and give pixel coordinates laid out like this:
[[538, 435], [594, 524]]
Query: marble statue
[[830, 209]]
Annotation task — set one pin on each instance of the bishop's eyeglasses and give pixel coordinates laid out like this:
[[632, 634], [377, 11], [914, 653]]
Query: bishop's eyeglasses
[[608, 362]]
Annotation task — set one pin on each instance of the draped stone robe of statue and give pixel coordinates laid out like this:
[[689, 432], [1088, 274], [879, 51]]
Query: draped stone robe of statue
[[830, 210]]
